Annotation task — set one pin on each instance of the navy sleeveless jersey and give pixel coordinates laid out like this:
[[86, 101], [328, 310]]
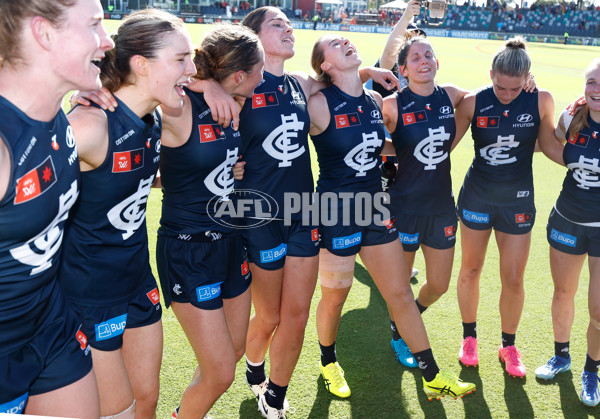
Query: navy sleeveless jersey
[[274, 125], [504, 139], [423, 137], [579, 198], [106, 256], [347, 150], [42, 189], [198, 174]]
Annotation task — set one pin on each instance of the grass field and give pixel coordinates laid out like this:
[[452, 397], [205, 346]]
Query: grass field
[[381, 387]]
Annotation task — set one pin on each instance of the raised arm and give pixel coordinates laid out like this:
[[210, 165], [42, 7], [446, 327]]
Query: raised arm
[[551, 141], [223, 107], [463, 117], [390, 51]]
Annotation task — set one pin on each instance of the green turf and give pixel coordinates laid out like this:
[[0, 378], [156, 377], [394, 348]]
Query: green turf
[[382, 388]]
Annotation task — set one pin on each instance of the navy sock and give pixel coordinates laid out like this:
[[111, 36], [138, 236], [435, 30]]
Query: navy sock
[[395, 334], [591, 365], [427, 364], [275, 395], [328, 354], [421, 308], [255, 374], [508, 339], [561, 349], [469, 330]]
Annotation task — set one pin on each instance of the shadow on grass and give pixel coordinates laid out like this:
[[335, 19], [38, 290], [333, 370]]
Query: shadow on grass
[[571, 405], [373, 374], [516, 398], [475, 404], [249, 408]]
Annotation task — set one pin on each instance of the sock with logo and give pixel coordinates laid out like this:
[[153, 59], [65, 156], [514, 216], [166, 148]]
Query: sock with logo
[[275, 395], [421, 308], [591, 365], [328, 354], [508, 339], [255, 372], [395, 334], [561, 349], [470, 330], [427, 364]]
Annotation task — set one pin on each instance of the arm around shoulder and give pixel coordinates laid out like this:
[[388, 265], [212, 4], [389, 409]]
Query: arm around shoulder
[[319, 113], [90, 129], [5, 168], [548, 141], [463, 117]]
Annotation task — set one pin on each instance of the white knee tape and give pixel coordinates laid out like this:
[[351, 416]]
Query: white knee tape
[[336, 271], [130, 409]]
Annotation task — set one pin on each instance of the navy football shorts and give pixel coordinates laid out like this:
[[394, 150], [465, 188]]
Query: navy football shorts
[[514, 218], [436, 231], [104, 325], [269, 244], [348, 240], [203, 273], [572, 238], [55, 357]]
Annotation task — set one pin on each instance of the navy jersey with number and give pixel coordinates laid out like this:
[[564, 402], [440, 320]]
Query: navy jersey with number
[[198, 175], [423, 137], [347, 150], [42, 189], [106, 255], [579, 199], [274, 125], [504, 140]]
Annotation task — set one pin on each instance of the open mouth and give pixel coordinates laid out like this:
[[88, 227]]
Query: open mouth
[[179, 88]]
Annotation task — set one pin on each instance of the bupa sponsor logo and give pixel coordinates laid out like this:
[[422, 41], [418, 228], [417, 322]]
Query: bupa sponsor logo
[[208, 292], [274, 254], [347, 241], [406, 238], [35, 182], [16, 406], [563, 238], [476, 217], [247, 208], [111, 328]]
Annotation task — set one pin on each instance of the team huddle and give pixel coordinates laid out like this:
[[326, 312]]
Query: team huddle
[[225, 125]]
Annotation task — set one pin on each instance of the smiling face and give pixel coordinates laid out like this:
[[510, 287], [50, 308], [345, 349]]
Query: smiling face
[[592, 89], [507, 88], [421, 65], [80, 41], [338, 53], [276, 35], [171, 69]]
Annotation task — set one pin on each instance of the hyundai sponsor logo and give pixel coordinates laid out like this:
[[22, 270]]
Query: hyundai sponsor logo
[[525, 117]]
